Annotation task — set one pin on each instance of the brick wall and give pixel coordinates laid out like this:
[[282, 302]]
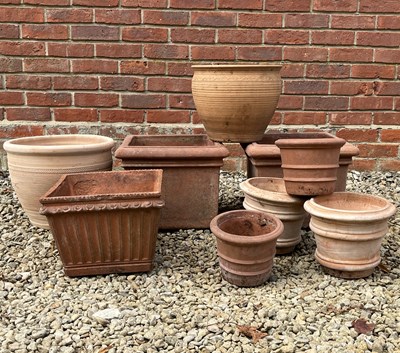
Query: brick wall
[[118, 67]]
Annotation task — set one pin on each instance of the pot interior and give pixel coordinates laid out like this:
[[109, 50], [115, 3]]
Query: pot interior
[[269, 184], [351, 202], [59, 140], [171, 141], [247, 224]]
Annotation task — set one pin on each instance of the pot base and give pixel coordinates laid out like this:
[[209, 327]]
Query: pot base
[[284, 250], [348, 274], [244, 280], [107, 268]]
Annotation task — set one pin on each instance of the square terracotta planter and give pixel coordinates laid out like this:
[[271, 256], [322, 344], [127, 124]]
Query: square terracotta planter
[[191, 165], [264, 157], [105, 222]]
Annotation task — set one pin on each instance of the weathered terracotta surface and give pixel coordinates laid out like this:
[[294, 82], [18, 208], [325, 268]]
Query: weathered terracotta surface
[[105, 222], [246, 243], [310, 164], [36, 163], [191, 165], [236, 102], [269, 195], [264, 157], [348, 229]]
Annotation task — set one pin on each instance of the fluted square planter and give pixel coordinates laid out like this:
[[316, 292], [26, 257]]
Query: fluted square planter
[[191, 165], [105, 222]]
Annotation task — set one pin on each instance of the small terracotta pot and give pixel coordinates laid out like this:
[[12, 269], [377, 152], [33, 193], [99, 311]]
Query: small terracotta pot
[[269, 195], [236, 102], [348, 229], [36, 163], [246, 243], [310, 165]]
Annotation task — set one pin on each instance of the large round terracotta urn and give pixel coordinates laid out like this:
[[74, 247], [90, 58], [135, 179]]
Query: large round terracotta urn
[[236, 102]]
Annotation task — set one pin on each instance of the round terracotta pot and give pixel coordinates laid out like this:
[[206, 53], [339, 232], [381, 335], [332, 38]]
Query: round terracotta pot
[[269, 195], [236, 102], [310, 165], [348, 229], [36, 163], [246, 242]]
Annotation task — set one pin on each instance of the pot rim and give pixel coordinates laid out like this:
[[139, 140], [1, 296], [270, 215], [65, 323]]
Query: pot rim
[[243, 239], [310, 143], [235, 66], [59, 144], [318, 210]]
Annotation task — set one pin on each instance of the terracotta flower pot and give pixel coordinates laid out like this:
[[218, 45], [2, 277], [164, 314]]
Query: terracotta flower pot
[[348, 229], [246, 243], [105, 222], [36, 163], [310, 164], [269, 195], [191, 165], [236, 102]]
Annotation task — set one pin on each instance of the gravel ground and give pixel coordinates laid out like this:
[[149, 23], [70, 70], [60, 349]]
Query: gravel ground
[[183, 305]]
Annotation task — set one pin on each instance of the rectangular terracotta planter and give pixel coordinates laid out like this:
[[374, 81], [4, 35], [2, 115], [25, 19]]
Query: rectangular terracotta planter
[[264, 158], [105, 222], [191, 165]]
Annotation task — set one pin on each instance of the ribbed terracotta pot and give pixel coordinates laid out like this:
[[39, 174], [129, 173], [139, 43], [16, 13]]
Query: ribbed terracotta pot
[[348, 229], [105, 222], [36, 163], [246, 243], [310, 164], [236, 102], [269, 195]]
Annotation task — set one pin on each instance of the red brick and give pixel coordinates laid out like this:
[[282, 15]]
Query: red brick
[[240, 36], [104, 3], [28, 114], [235, 150], [260, 53], [69, 15], [193, 4], [118, 16], [304, 118], [10, 64], [179, 69], [44, 99], [240, 4], [11, 98], [328, 71], [351, 54], [371, 103], [350, 118], [8, 31], [326, 103], [72, 129], [75, 83], [144, 3], [77, 50], [387, 88], [290, 102], [305, 54], [373, 71], [15, 131], [144, 101], [124, 83], [363, 164], [44, 31], [96, 99], [94, 32], [119, 133], [139, 67], [94, 66], [278, 36], [167, 84], [387, 118], [277, 118], [22, 48], [390, 135], [335, 6], [121, 116], [161, 51], [352, 21], [389, 164], [48, 2], [260, 20], [306, 87], [352, 88], [358, 135], [213, 19], [145, 34], [297, 20], [332, 37], [288, 5], [165, 18], [31, 82], [292, 70], [9, 2], [378, 150], [378, 39], [212, 53], [181, 101], [397, 104], [392, 6], [46, 65], [387, 56], [118, 50], [388, 22], [168, 116], [192, 35], [75, 115], [20, 14]]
